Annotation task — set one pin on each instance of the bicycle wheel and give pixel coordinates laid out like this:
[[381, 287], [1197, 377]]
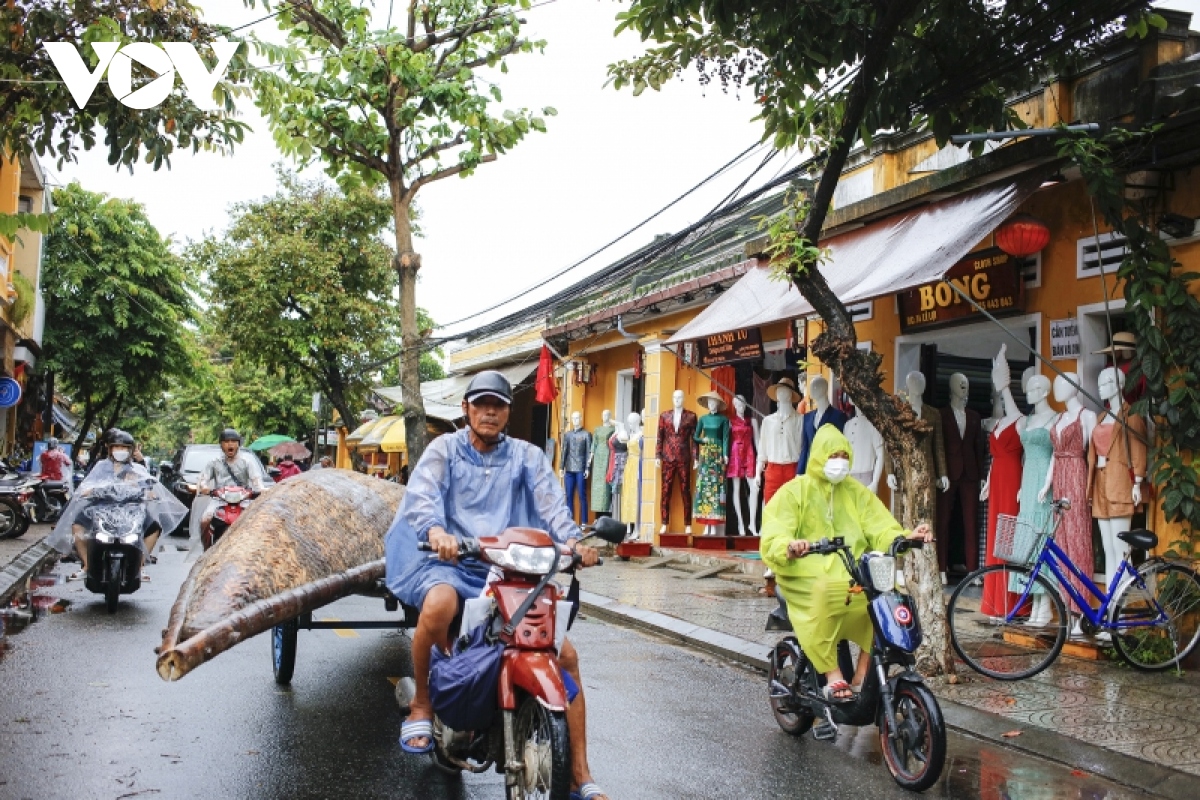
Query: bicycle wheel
[[1007, 650], [1176, 590]]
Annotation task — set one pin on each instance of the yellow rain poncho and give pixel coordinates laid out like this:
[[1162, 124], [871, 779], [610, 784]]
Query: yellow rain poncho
[[810, 507]]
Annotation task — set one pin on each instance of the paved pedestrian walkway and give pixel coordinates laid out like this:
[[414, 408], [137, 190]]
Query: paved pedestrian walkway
[[1081, 712]]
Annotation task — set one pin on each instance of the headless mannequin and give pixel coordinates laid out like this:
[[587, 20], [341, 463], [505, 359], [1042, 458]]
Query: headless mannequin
[[576, 479], [739, 407], [1037, 392], [875, 459], [914, 382], [715, 407], [1111, 382], [678, 413]]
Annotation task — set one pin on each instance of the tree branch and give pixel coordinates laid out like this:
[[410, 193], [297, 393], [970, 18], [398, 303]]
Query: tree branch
[[321, 24], [437, 148], [442, 173], [359, 154]]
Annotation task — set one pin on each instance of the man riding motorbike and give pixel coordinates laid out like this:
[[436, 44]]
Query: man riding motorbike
[[230, 468], [475, 482], [53, 461], [162, 509], [825, 502]]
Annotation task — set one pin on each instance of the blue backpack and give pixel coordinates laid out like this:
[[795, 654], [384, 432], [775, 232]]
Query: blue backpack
[[462, 686]]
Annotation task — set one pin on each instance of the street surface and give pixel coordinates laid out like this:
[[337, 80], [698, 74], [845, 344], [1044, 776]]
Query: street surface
[[85, 715]]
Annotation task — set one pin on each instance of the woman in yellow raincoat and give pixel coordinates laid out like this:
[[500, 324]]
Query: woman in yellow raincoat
[[825, 502]]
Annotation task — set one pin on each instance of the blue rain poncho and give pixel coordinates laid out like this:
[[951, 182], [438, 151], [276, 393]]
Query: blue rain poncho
[[815, 587], [472, 494]]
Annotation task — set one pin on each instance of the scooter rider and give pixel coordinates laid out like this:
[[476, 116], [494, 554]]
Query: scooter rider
[[53, 461], [475, 482], [825, 502], [230, 468], [161, 504]]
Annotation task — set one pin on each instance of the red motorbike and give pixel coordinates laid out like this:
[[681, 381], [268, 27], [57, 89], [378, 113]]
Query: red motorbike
[[233, 500], [524, 610]]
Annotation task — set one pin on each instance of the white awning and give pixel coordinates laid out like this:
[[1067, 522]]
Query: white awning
[[883, 258], [443, 397]]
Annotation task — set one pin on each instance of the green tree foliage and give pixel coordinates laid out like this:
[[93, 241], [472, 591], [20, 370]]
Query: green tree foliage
[[117, 301], [302, 284], [829, 73], [37, 113], [400, 106]]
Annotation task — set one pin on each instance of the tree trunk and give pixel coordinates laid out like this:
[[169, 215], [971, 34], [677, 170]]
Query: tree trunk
[[408, 264], [859, 371]]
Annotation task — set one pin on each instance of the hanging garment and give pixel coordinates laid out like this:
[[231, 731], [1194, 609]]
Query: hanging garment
[[741, 449], [724, 383], [712, 436], [1004, 483], [618, 456], [631, 484], [1070, 481], [760, 401], [831, 417], [1034, 516], [601, 490]]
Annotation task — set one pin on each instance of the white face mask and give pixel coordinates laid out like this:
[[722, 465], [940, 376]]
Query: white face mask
[[836, 469], [120, 456]]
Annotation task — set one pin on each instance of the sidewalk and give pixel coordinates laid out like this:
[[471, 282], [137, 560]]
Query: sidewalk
[[22, 558], [1139, 729]]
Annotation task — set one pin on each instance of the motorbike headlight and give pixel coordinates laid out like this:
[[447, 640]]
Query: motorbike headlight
[[523, 558], [104, 537], [129, 538], [882, 570]]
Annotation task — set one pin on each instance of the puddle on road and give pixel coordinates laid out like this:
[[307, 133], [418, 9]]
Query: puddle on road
[[29, 606]]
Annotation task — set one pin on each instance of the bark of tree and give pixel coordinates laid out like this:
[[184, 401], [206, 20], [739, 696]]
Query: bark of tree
[[91, 411], [408, 265], [859, 371]]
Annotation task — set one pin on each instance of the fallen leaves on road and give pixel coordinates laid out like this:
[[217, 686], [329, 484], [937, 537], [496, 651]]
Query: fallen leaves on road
[[1011, 734]]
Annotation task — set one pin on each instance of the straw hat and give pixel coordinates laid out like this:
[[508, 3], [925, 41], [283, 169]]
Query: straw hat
[[1122, 341], [786, 383], [704, 398]]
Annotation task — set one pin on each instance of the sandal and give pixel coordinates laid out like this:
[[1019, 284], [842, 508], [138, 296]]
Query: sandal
[[416, 729], [587, 792], [145, 578], [834, 688], [76, 575]]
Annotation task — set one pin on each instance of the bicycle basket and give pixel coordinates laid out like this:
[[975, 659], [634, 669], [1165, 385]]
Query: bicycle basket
[[1016, 542]]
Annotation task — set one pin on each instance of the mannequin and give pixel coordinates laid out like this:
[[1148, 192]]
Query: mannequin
[[574, 465], [1034, 515], [742, 462], [779, 444], [631, 486], [1003, 482], [1121, 354], [1116, 469], [866, 462], [962, 433], [674, 454], [712, 446], [601, 491], [618, 447], [935, 448], [822, 413], [1068, 475]]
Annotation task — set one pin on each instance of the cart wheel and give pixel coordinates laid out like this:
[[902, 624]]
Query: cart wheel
[[283, 651]]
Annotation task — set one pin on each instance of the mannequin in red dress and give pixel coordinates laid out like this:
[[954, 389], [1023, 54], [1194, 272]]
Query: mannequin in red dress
[[1003, 484]]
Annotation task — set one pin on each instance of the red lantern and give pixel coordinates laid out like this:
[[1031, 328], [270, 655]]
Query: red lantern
[[1022, 236]]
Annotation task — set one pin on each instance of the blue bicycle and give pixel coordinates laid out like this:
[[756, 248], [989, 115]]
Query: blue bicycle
[[1009, 621]]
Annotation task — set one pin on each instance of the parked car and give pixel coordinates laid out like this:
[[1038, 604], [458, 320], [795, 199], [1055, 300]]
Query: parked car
[[182, 474]]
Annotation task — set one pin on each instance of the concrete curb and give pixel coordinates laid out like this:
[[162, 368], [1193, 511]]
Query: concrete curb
[[20, 569], [1127, 770]]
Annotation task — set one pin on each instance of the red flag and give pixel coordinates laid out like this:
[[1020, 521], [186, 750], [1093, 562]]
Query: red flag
[[546, 388]]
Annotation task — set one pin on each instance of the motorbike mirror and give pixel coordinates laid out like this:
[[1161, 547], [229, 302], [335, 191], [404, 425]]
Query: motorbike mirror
[[610, 530]]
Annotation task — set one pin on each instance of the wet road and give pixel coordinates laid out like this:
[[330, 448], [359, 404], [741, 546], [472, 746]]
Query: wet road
[[84, 715]]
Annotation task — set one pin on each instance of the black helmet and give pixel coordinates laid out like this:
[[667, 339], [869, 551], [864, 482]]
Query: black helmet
[[489, 383], [230, 435], [109, 434], [120, 438]]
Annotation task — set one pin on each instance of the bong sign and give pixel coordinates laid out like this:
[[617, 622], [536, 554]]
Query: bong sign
[[164, 60]]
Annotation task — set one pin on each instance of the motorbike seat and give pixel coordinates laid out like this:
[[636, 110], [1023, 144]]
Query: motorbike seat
[[54, 484], [1140, 538]]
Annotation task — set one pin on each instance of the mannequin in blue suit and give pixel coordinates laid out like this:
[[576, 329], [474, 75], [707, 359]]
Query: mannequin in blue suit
[[822, 414]]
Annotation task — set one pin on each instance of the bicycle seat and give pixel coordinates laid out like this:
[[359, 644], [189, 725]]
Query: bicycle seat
[[1140, 538]]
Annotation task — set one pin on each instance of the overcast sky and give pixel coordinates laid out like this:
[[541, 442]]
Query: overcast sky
[[608, 161]]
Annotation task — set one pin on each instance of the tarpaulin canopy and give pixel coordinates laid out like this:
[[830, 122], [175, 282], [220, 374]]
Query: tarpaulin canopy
[[883, 258], [374, 437], [393, 441], [360, 433]]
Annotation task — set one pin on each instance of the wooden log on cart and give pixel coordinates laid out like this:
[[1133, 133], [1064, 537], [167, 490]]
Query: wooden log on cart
[[303, 544]]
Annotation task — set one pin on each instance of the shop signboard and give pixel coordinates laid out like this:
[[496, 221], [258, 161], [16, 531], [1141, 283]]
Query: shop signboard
[[989, 277], [725, 348], [1064, 339]]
